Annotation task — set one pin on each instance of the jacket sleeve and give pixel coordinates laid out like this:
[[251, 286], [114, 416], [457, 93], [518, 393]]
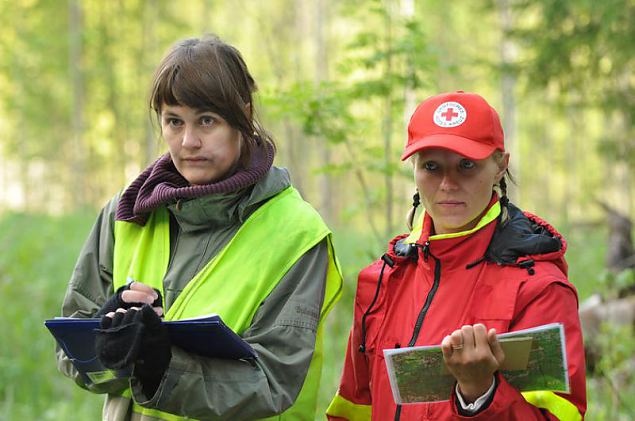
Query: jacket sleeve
[[89, 287], [353, 400], [556, 302], [283, 333]]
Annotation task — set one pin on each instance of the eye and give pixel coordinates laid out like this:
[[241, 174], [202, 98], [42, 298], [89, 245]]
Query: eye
[[207, 120], [430, 166], [173, 122], [467, 164]]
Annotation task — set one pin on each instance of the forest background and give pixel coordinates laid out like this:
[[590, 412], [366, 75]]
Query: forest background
[[338, 81]]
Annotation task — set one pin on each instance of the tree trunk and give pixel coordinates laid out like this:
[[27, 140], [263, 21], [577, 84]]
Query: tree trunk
[[387, 122], [410, 95], [297, 149], [150, 49], [508, 83], [321, 74], [78, 152]]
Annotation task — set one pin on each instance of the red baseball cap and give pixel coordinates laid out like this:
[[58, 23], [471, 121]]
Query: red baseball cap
[[460, 121]]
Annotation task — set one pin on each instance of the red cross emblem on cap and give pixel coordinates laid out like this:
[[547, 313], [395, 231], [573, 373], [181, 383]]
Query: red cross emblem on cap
[[449, 114]]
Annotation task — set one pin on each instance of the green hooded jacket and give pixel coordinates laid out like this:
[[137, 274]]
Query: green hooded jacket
[[282, 331]]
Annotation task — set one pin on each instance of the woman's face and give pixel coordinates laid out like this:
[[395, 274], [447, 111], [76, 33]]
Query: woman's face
[[203, 146], [455, 190]]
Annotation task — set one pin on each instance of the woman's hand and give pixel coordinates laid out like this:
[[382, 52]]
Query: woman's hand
[[130, 295], [139, 293], [472, 355], [135, 338]]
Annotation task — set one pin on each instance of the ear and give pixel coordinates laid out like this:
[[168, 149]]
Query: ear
[[247, 109], [503, 164]]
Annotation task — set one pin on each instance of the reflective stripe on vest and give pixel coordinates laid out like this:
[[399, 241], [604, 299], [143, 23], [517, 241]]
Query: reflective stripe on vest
[[343, 408], [555, 404], [275, 236]]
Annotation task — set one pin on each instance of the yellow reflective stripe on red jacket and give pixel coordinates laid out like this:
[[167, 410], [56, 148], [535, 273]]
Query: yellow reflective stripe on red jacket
[[343, 408], [555, 404]]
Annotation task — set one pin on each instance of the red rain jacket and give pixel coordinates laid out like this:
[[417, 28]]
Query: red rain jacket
[[507, 276]]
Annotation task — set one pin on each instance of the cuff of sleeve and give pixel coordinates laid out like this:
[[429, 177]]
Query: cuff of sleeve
[[480, 404]]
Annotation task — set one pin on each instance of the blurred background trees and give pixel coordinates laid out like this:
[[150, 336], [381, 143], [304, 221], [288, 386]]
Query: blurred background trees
[[338, 81]]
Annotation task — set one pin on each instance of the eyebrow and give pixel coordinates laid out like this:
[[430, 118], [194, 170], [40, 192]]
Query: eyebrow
[[199, 112], [169, 114]]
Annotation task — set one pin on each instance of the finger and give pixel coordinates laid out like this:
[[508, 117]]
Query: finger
[[138, 286], [496, 347], [118, 317], [446, 347], [128, 318], [150, 317], [106, 321], [468, 336], [135, 296], [158, 311], [480, 336], [456, 340]]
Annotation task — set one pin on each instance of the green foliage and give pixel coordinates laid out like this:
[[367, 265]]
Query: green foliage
[[37, 254], [586, 248], [610, 283], [611, 390], [571, 45]]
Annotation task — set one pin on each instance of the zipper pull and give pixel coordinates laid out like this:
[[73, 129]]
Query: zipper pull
[[426, 250], [388, 260]]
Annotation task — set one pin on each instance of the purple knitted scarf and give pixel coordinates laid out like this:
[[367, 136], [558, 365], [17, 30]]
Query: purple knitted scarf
[[161, 183]]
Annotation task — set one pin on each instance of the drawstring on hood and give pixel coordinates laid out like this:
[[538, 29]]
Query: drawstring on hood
[[387, 261]]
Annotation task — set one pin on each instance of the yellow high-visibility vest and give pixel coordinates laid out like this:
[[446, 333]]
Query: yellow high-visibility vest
[[273, 238]]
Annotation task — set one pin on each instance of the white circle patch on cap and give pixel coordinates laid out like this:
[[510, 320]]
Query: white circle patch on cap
[[449, 114]]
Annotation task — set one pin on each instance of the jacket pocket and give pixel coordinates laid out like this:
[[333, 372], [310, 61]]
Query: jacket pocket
[[494, 302]]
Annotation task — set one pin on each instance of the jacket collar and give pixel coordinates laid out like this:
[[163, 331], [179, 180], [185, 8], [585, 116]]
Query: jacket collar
[[227, 209], [517, 238], [422, 229]]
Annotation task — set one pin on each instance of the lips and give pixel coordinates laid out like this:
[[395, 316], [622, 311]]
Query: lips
[[195, 159]]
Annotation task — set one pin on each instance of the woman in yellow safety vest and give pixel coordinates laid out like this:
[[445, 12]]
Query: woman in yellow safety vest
[[210, 227]]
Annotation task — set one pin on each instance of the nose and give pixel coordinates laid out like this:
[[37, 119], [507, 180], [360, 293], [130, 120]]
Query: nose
[[191, 138], [448, 182]]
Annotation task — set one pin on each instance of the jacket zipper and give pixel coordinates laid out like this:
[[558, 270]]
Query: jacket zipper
[[426, 305]]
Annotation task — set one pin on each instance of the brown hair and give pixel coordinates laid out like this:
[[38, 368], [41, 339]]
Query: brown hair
[[208, 74]]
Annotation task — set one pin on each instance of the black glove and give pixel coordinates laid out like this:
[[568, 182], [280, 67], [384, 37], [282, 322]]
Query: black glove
[[115, 302], [137, 339]]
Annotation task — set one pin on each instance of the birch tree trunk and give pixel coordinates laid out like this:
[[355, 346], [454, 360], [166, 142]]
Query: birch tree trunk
[[321, 74], [78, 151], [508, 84], [387, 121], [150, 50], [410, 96]]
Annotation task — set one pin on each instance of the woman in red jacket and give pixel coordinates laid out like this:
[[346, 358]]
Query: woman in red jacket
[[473, 266]]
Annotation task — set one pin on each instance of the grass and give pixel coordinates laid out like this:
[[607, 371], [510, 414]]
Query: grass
[[37, 254]]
